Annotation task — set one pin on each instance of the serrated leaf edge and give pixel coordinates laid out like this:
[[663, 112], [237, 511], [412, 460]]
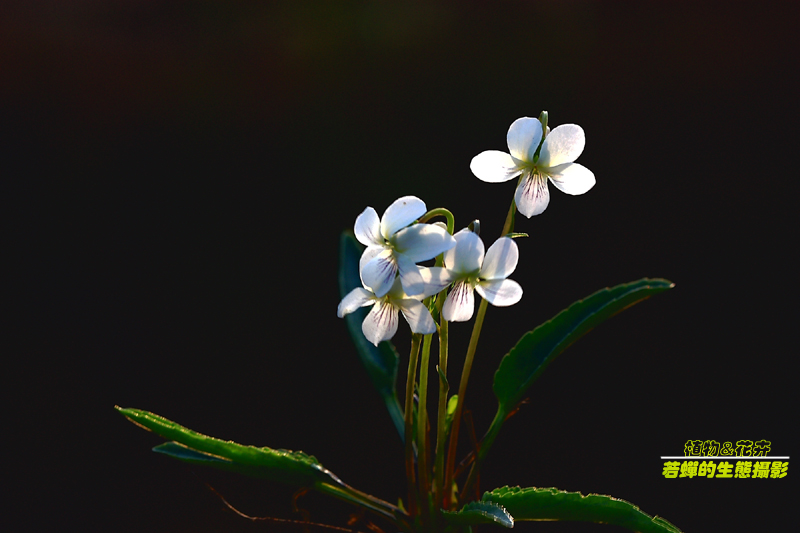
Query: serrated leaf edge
[[477, 507], [519, 491]]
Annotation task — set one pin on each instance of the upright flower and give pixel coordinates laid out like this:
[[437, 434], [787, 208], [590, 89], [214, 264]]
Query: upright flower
[[471, 270], [380, 323], [553, 161], [393, 246]]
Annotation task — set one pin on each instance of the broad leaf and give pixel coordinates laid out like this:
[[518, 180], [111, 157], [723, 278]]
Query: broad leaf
[[382, 361], [536, 349], [483, 512], [553, 504]]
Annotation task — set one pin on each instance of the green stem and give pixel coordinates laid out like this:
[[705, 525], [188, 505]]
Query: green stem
[[508, 226], [441, 417], [441, 211], [413, 496], [462, 391], [422, 425], [485, 444], [347, 493]]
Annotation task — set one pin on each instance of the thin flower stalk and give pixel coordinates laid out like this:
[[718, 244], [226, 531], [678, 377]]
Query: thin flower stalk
[[440, 211], [368, 501], [488, 439], [413, 497], [462, 388], [508, 226], [485, 445], [441, 418], [423, 480]]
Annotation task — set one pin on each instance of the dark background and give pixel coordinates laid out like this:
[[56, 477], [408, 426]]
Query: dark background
[[176, 176]]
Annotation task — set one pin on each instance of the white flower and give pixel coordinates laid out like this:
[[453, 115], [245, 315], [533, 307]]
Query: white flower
[[393, 246], [555, 161], [471, 270], [380, 323]]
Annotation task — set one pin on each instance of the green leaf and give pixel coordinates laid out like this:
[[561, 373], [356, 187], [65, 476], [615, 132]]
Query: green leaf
[[536, 349], [482, 512], [293, 468], [179, 451], [450, 413], [521, 366], [382, 361], [553, 504]]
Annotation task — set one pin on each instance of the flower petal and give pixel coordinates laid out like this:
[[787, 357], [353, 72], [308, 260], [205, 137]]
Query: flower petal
[[524, 137], [493, 166], [435, 279], [418, 316], [500, 292], [396, 292], [370, 252], [378, 274], [563, 145], [368, 228], [419, 282], [501, 259], [421, 242], [356, 298], [532, 195], [460, 303], [410, 276], [400, 214], [572, 178], [467, 255], [380, 323]]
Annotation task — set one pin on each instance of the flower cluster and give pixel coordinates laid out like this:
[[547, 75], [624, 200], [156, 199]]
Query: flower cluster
[[394, 283]]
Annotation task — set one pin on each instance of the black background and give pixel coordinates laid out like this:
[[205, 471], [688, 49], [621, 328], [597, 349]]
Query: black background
[[176, 176]]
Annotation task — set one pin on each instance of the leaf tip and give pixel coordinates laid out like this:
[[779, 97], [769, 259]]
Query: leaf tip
[[667, 284], [131, 415]]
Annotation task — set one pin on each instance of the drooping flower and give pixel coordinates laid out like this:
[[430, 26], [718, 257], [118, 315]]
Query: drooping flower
[[554, 161], [472, 270], [380, 323], [394, 246]]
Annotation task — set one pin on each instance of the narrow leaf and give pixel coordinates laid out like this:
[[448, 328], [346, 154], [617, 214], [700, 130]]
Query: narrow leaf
[[483, 512], [536, 349], [521, 366], [179, 451], [381, 362], [294, 468], [553, 504]]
